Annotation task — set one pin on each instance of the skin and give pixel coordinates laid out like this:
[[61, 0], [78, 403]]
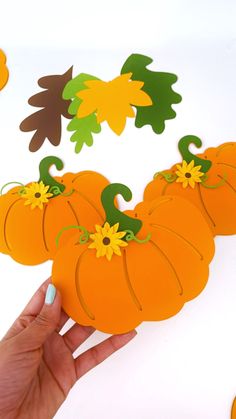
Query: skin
[[37, 367]]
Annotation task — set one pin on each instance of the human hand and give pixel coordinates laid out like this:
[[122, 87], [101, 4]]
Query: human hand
[[37, 368]]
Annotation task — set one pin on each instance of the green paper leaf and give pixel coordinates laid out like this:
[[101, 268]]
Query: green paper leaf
[[83, 127], [76, 85], [158, 86], [72, 110]]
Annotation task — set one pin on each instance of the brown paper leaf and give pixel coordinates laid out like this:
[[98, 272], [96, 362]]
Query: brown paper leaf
[[47, 122]]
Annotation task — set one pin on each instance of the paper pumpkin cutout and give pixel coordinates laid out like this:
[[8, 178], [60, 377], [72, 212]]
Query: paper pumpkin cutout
[[233, 411], [158, 86], [4, 73], [163, 266], [214, 193], [47, 122], [30, 220]]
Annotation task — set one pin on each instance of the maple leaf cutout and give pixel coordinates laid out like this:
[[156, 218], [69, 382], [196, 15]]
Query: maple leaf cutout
[[47, 122], [112, 100]]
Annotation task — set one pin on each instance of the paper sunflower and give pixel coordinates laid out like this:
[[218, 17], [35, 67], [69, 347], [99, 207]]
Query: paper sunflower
[[107, 240], [188, 174], [112, 100], [36, 195]]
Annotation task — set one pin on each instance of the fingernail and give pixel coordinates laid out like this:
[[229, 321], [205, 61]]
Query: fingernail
[[50, 294]]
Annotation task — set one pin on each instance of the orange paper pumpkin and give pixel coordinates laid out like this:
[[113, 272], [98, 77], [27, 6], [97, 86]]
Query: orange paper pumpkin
[[233, 410], [162, 262], [31, 216], [208, 180]]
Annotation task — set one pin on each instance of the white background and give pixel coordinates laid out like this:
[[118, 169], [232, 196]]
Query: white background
[[184, 367]]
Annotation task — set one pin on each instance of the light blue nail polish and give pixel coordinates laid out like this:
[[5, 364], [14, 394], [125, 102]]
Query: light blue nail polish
[[50, 294]]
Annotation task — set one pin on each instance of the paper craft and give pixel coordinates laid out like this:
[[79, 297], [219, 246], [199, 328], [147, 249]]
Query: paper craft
[[112, 100], [89, 101], [158, 86], [47, 122], [31, 216], [83, 127], [233, 411], [4, 73], [139, 265], [208, 180]]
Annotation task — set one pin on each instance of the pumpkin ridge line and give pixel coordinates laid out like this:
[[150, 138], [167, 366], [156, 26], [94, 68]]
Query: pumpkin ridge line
[[74, 212], [5, 224], [204, 206], [80, 175], [92, 205], [83, 304], [227, 164], [228, 183], [43, 229], [170, 264], [180, 236], [129, 285], [151, 211], [165, 188]]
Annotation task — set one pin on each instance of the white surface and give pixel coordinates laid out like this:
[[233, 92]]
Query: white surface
[[182, 368]]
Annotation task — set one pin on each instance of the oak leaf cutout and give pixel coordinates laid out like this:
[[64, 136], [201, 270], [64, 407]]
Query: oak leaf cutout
[[85, 127], [47, 122], [158, 86]]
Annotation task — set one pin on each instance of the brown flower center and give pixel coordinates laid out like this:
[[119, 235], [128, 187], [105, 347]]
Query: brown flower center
[[188, 175], [106, 241], [37, 195]]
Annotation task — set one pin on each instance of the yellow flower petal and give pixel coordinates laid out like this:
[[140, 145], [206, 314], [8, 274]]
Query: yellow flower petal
[[191, 183], [98, 228], [109, 252], [190, 166]]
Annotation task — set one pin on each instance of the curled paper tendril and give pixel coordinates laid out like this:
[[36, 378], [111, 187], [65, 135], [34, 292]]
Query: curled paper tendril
[[217, 185], [83, 238], [169, 177], [55, 190], [10, 183], [131, 236]]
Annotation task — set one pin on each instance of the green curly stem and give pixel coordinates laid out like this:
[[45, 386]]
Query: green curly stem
[[55, 190], [217, 185], [45, 176], [113, 214], [130, 236], [184, 144], [83, 238], [169, 177], [10, 183]]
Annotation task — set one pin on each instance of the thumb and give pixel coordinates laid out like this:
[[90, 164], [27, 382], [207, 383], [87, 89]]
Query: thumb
[[46, 322]]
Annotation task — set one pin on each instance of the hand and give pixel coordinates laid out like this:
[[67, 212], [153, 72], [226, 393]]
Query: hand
[[37, 368]]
